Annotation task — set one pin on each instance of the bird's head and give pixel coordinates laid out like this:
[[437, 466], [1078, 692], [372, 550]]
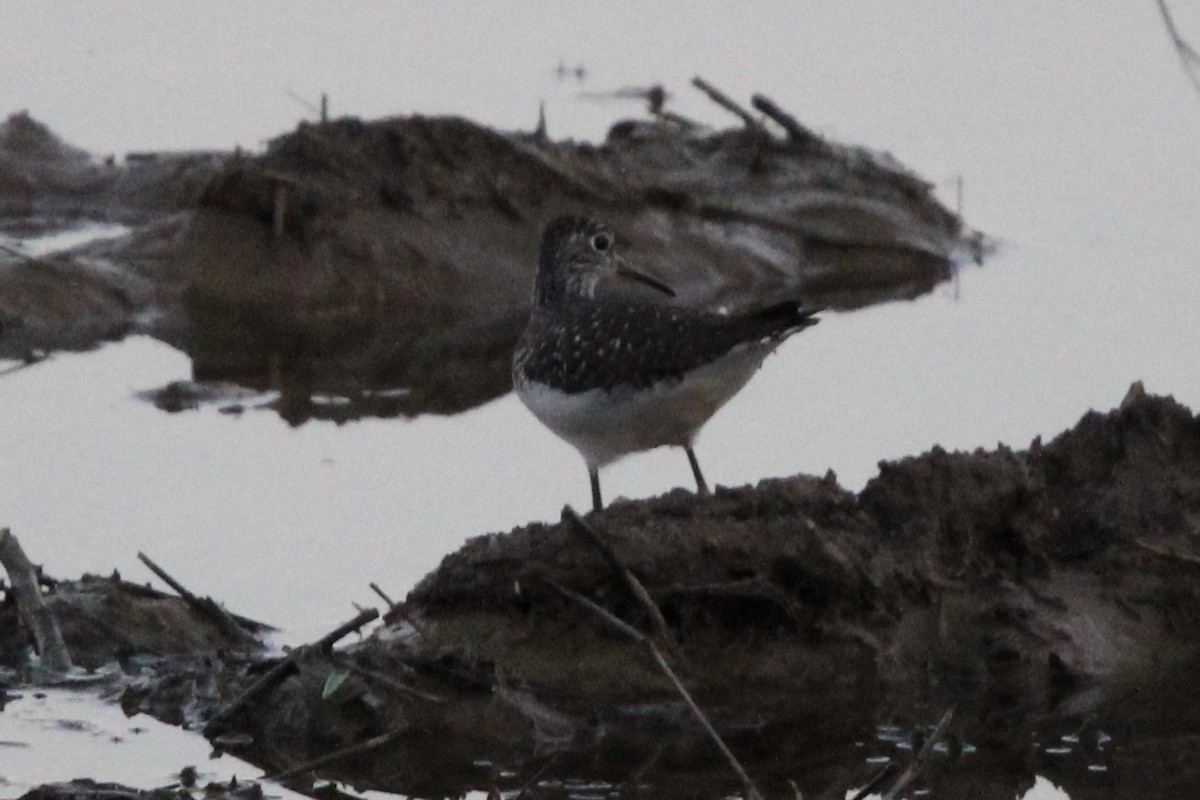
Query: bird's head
[[576, 254]]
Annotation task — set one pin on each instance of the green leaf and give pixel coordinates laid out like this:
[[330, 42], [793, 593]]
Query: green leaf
[[333, 682]]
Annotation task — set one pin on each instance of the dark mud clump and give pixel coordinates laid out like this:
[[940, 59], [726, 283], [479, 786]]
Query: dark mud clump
[[185, 789], [1044, 592], [107, 622]]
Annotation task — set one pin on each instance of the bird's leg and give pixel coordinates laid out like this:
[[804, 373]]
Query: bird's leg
[[597, 503], [701, 486]]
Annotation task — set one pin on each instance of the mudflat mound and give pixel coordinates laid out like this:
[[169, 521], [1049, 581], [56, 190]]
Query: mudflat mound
[[1031, 591]]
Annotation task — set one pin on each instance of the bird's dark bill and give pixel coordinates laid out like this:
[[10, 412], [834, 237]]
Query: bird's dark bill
[[626, 271]]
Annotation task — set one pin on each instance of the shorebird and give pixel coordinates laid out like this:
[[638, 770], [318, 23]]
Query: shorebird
[[617, 376]]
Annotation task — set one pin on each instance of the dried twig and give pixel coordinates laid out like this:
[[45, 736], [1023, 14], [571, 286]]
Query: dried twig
[[876, 781], [398, 609], [32, 608], [795, 131], [383, 595], [752, 792], [28, 362], [205, 606], [550, 725], [1188, 57], [365, 746], [726, 102], [534, 777], [635, 586], [599, 610], [326, 642], [281, 671], [386, 681], [1166, 552], [918, 762]]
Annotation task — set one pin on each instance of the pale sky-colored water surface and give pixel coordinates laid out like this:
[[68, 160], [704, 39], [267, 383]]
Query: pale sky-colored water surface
[[1073, 127]]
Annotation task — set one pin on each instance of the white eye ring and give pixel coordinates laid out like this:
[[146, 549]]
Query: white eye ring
[[601, 242]]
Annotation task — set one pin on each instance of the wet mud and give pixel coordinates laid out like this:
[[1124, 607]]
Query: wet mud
[[1047, 596]]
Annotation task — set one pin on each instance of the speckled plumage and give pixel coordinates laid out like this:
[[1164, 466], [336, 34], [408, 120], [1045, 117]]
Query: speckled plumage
[[583, 344], [613, 376]]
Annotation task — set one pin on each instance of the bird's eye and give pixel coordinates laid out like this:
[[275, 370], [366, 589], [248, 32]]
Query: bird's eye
[[601, 242]]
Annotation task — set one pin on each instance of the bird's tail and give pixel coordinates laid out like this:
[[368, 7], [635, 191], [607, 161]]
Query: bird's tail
[[781, 320]]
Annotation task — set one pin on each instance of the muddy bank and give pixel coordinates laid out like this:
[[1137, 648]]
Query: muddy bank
[[1047, 595], [185, 789], [398, 253], [47, 184], [388, 263], [75, 299], [115, 629]]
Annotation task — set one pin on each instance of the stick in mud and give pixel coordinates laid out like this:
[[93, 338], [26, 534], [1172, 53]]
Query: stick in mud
[[918, 763], [385, 681], [751, 790], [30, 360], [876, 780], [1188, 57], [795, 131], [726, 102], [1166, 552], [397, 608], [382, 595], [205, 606], [282, 670], [32, 608], [329, 758], [534, 777], [635, 586]]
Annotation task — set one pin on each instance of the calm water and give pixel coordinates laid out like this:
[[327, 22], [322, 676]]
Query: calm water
[[1073, 128]]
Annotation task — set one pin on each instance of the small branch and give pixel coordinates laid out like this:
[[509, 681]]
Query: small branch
[[382, 595], [534, 777], [386, 681], [29, 360], [550, 725], [32, 607], [876, 781], [365, 746], [205, 606], [326, 642], [918, 763], [273, 677], [1188, 56], [726, 102], [796, 132], [634, 585], [540, 133], [281, 671], [1166, 552], [748, 786], [599, 610], [397, 609]]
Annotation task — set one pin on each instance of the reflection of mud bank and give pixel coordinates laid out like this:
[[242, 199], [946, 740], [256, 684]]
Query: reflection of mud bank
[[352, 257], [1051, 589]]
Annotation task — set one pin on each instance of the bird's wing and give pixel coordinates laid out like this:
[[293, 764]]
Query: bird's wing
[[601, 344]]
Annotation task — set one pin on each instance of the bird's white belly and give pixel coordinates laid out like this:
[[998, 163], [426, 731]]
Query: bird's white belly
[[604, 425]]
